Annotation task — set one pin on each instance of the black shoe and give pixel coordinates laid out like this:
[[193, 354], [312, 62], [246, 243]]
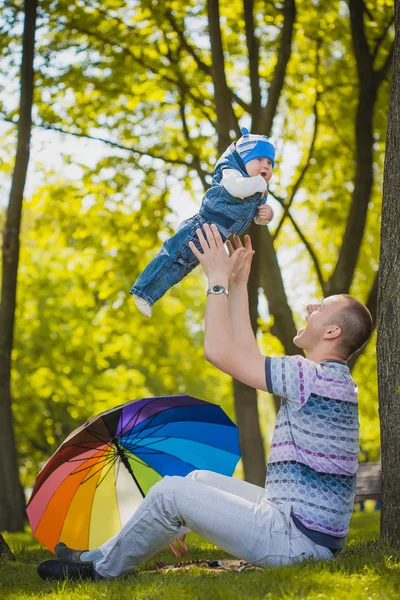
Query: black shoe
[[56, 568], [62, 551]]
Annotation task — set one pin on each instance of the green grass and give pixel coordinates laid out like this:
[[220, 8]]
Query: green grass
[[364, 570]]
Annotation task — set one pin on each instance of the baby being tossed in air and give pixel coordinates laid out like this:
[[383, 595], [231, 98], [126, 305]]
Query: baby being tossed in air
[[237, 196]]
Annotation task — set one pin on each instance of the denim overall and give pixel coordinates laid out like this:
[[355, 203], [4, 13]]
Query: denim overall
[[175, 259]]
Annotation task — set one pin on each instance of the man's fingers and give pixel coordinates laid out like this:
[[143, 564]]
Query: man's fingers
[[213, 236], [210, 241], [230, 248], [249, 258], [247, 243], [202, 240], [237, 257], [238, 241], [217, 236], [199, 255]]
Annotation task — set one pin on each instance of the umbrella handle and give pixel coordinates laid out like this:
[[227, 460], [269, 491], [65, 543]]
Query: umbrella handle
[[176, 551]]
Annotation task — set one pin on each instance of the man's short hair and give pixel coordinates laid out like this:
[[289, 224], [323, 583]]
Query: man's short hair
[[356, 324]]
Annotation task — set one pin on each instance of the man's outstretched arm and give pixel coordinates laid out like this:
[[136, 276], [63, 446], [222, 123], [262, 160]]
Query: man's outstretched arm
[[241, 360], [238, 300]]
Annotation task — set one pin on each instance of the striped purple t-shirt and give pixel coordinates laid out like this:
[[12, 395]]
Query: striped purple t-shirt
[[313, 459]]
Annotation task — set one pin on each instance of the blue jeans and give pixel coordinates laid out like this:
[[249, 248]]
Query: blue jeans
[[172, 263]]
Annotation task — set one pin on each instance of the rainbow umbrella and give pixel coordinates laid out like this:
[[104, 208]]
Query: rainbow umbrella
[[97, 478]]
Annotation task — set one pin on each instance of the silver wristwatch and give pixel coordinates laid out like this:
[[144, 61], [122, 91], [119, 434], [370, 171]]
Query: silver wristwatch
[[217, 289]]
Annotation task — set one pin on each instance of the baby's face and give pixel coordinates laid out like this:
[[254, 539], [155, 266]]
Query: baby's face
[[260, 166]]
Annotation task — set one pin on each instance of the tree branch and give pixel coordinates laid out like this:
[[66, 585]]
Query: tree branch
[[270, 279], [196, 160], [342, 276], [332, 123], [190, 50], [381, 38], [285, 48], [360, 45], [226, 117], [201, 64], [311, 252], [253, 55], [383, 71], [304, 170], [306, 243], [165, 159], [199, 103]]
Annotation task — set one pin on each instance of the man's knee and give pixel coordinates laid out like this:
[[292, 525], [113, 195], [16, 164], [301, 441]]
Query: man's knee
[[199, 475], [166, 486]]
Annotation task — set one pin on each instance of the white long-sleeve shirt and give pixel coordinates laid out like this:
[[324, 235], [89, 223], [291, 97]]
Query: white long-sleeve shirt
[[243, 187]]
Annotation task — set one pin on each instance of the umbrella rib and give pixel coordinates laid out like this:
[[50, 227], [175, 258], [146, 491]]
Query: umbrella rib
[[98, 471], [105, 475], [157, 441], [71, 460], [157, 452], [138, 460], [135, 417], [105, 461], [182, 438], [145, 436], [82, 447], [98, 438], [100, 455], [133, 435], [169, 437]]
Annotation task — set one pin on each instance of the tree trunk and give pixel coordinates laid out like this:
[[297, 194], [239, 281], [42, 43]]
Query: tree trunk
[[369, 82], [246, 408], [388, 346], [251, 441], [226, 119], [5, 549], [12, 503]]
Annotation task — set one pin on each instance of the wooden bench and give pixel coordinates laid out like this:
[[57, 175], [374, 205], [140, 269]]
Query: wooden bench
[[368, 483]]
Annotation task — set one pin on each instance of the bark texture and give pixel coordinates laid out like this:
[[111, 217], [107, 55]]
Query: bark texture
[[388, 345], [12, 502]]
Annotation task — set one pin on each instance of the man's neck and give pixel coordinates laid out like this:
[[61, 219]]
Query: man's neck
[[323, 355]]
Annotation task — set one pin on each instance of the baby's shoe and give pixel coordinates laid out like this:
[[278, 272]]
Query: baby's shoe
[[143, 306]]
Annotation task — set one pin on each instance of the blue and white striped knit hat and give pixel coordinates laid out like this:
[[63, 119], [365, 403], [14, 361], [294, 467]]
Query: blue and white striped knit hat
[[251, 146]]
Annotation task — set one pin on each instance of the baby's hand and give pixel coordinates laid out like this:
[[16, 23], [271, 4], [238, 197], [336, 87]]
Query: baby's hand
[[265, 212]]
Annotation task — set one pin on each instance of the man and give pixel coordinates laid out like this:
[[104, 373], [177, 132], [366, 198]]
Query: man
[[305, 509]]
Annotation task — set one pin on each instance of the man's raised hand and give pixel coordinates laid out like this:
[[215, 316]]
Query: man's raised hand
[[241, 273], [217, 265]]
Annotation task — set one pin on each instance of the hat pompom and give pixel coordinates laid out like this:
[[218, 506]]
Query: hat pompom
[[244, 131]]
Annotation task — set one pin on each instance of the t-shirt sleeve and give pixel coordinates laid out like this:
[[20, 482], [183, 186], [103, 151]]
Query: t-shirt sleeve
[[242, 187], [290, 377]]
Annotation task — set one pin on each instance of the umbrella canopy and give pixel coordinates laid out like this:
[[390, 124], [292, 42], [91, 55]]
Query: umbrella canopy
[[97, 478]]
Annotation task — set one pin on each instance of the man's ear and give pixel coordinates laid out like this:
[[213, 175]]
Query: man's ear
[[333, 332]]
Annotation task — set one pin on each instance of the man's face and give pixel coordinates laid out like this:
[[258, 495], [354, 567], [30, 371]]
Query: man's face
[[318, 316], [260, 166]]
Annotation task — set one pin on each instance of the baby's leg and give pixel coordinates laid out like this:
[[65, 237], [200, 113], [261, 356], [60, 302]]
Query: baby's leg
[[172, 263]]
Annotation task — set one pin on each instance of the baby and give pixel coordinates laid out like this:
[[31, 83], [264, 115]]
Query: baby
[[237, 196]]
